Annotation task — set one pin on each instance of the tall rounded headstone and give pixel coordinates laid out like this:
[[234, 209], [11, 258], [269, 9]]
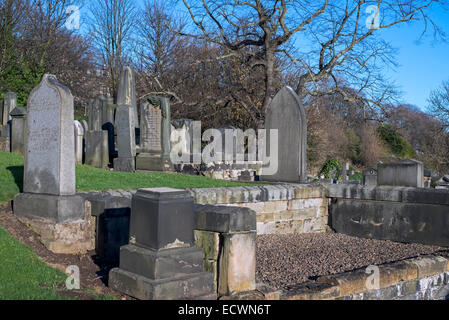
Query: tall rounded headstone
[[50, 142], [287, 115]]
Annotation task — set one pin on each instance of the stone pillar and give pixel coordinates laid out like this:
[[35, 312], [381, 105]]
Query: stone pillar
[[161, 263], [126, 94], [49, 203], [126, 141], [18, 126], [227, 236], [155, 135]]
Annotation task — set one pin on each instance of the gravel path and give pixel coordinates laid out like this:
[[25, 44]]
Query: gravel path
[[284, 260]]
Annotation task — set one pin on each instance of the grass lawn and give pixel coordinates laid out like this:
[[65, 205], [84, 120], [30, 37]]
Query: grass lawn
[[23, 276], [92, 179]]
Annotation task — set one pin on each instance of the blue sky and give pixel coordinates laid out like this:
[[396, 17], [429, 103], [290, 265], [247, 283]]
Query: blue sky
[[423, 65]]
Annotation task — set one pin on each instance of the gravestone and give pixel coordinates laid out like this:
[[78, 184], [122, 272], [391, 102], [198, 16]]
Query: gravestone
[[126, 94], [97, 139], [155, 132], [108, 124], [95, 114], [79, 142], [9, 104], [406, 173], [287, 115], [18, 126], [370, 177], [49, 203], [161, 261], [85, 125], [125, 139]]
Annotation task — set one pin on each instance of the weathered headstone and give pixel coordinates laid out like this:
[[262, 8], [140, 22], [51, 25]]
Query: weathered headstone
[[95, 114], [108, 124], [126, 94], [370, 177], [155, 132], [287, 115], [161, 262], [125, 139], [407, 173], [97, 139], [79, 142], [49, 203], [18, 126]]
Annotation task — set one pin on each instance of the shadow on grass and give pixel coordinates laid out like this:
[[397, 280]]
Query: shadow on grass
[[17, 173]]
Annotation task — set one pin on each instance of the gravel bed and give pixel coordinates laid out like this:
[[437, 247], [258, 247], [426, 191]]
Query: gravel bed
[[284, 260]]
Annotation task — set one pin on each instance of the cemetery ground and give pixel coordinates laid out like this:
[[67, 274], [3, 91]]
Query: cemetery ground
[[29, 270]]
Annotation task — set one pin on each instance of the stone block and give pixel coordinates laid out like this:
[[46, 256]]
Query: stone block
[[57, 209], [139, 287], [162, 218], [151, 264], [71, 237], [311, 290], [224, 219], [408, 173], [237, 264], [429, 265]]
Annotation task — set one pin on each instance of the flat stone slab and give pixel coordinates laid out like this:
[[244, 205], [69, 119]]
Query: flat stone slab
[[139, 287], [224, 219]]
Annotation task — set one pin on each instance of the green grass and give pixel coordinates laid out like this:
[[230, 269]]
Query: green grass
[[92, 179], [23, 275]]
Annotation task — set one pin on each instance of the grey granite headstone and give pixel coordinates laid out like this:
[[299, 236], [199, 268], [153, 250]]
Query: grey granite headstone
[[125, 139], [18, 126], [50, 143], [155, 132], [126, 94], [287, 115], [49, 175], [85, 125], [97, 151], [79, 142]]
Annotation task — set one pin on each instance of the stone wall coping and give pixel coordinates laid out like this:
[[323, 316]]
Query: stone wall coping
[[251, 194], [385, 193], [354, 282], [221, 219]]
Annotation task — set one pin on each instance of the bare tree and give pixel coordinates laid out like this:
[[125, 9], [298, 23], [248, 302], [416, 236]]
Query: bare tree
[[326, 40], [111, 29], [439, 103]]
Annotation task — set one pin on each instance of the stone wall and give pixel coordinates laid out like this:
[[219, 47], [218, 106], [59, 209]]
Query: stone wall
[[411, 215], [280, 209]]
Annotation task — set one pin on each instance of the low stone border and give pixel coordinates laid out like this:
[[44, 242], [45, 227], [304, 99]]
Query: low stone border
[[392, 194], [422, 278]]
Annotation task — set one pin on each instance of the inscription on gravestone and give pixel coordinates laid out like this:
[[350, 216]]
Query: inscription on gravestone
[[150, 135]]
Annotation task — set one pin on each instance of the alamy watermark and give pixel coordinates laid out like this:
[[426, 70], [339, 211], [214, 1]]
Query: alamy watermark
[[74, 18], [73, 280], [234, 146], [373, 21]]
